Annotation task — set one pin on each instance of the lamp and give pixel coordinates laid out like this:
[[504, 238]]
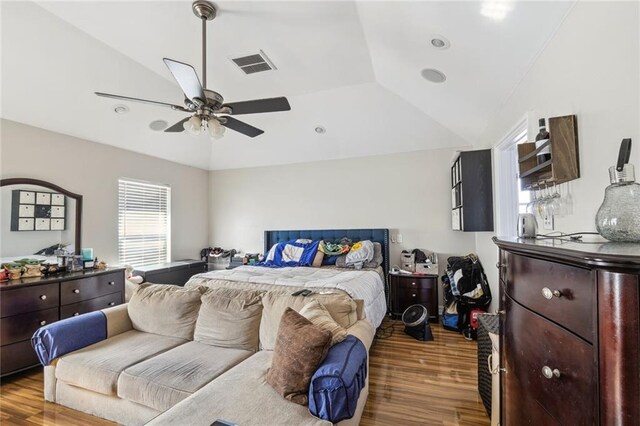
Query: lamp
[[193, 125], [215, 129]]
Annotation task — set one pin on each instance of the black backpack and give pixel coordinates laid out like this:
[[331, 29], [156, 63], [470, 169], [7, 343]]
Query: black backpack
[[465, 288]]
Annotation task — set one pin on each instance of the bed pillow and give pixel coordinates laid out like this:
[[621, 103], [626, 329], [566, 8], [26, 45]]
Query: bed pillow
[[300, 348], [315, 312], [230, 318], [377, 260], [167, 310], [342, 308]]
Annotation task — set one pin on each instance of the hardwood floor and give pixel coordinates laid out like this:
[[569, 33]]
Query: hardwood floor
[[411, 383]]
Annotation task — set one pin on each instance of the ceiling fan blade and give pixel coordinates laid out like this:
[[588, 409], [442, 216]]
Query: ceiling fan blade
[[144, 101], [259, 105], [178, 127], [187, 78], [242, 127]]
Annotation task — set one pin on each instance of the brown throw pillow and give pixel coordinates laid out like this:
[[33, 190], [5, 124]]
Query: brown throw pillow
[[300, 348]]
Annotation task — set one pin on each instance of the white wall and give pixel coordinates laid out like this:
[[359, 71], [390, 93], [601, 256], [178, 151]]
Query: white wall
[[408, 193], [590, 68], [93, 169]]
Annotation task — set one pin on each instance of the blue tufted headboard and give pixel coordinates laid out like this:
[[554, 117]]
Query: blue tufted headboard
[[378, 235]]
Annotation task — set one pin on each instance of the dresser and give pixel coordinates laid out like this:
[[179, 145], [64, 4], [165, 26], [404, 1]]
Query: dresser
[[27, 304], [407, 290], [570, 332]]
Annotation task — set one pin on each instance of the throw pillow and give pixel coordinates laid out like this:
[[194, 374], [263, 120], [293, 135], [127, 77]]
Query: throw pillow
[[230, 318], [315, 312], [342, 308], [300, 348], [168, 310]]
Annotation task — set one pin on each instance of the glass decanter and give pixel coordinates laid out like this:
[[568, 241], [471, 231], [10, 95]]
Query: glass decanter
[[618, 218]]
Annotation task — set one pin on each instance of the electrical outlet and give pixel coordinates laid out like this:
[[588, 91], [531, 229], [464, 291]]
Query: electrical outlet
[[399, 238], [548, 222], [393, 238]]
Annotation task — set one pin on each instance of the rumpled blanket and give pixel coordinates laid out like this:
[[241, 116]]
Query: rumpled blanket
[[291, 253]]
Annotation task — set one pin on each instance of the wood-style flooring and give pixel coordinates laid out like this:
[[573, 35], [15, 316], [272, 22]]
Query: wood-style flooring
[[411, 383]]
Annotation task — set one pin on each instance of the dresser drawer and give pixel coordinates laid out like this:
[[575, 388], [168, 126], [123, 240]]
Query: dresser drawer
[[17, 356], [534, 343], [91, 305], [21, 327], [417, 283], [29, 299], [90, 288], [564, 294]]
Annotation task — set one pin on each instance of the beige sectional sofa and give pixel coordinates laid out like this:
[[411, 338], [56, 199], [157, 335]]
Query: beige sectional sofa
[[181, 358]]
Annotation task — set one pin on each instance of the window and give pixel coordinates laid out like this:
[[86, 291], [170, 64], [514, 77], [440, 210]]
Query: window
[[510, 199], [144, 223]]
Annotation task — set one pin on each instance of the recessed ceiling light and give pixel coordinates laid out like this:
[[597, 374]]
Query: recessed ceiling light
[[440, 42], [158, 125], [433, 75], [496, 9], [121, 109], [320, 130]]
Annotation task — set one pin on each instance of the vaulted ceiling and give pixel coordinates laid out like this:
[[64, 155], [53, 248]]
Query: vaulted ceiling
[[350, 67]]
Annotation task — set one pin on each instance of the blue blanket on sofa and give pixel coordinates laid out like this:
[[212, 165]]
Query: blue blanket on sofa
[[336, 385], [291, 253], [68, 335]]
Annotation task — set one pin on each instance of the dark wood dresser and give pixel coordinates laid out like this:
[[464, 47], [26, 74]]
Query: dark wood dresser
[[570, 332], [27, 304], [407, 290]]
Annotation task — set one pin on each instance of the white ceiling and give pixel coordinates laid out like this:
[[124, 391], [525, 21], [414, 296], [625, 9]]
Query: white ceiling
[[353, 68]]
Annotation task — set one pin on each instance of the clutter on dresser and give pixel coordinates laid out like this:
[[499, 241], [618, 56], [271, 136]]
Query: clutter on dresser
[[417, 261], [466, 294], [618, 218], [217, 257]]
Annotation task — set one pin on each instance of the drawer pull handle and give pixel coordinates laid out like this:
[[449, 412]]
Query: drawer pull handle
[[413, 283], [43, 322], [75, 314], [112, 283], [550, 373], [413, 295], [112, 303], [43, 297], [550, 294], [76, 291]]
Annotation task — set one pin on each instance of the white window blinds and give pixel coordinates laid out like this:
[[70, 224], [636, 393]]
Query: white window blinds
[[144, 223]]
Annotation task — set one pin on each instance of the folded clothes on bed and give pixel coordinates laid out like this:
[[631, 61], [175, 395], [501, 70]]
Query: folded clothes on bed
[[291, 253]]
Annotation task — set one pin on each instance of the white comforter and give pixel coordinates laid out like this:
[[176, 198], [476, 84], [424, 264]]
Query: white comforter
[[365, 284]]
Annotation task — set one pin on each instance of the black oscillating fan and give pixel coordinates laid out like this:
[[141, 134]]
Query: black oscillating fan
[[416, 323]]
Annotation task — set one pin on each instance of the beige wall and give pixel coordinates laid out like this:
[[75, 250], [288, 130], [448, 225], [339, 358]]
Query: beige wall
[[93, 169], [591, 69], [408, 193]]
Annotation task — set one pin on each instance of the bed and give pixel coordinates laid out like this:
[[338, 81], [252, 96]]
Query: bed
[[367, 284]]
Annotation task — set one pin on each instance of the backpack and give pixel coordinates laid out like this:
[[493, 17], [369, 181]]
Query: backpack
[[465, 289]]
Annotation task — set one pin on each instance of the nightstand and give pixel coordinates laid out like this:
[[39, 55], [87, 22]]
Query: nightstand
[[407, 290]]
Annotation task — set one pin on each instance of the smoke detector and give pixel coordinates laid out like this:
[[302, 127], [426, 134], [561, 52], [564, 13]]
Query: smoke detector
[[254, 63]]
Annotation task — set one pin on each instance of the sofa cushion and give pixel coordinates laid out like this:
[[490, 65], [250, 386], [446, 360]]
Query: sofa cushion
[[300, 348], [230, 318], [342, 308], [98, 366], [164, 380], [241, 396], [164, 309], [315, 312]]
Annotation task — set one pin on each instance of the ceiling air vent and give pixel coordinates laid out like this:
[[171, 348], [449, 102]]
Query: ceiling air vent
[[252, 64]]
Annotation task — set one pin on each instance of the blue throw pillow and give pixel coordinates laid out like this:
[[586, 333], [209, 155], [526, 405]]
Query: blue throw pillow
[[336, 385]]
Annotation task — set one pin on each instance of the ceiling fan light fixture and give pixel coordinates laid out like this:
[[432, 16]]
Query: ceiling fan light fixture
[[215, 129], [193, 125]]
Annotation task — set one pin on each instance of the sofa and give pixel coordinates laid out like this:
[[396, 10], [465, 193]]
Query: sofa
[[187, 356]]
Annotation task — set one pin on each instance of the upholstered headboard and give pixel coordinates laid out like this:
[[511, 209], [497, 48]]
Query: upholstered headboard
[[378, 235]]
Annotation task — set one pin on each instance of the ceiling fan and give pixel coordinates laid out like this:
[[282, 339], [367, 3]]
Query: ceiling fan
[[208, 111]]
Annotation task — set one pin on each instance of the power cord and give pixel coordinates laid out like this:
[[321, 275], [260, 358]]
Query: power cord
[[385, 330], [563, 236]]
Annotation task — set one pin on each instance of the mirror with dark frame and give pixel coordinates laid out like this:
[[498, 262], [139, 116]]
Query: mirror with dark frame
[[36, 217]]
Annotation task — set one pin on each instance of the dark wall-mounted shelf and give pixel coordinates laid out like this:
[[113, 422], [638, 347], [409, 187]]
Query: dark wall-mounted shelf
[[564, 165], [472, 192]]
